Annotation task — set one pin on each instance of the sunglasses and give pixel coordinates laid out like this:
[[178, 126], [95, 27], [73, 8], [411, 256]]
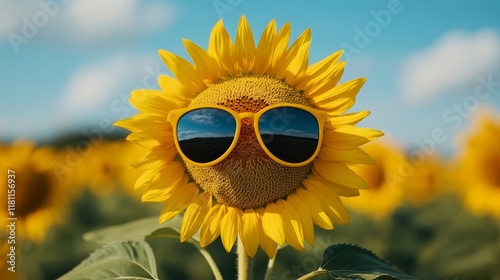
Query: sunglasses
[[290, 134]]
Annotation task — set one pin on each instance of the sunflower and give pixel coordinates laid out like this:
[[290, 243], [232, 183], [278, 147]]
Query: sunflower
[[385, 179], [478, 169], [105, 169], [426, 182], [248, 194], [40, 197]]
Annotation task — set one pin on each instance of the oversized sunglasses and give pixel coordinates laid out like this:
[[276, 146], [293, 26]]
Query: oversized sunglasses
[[290, 134]]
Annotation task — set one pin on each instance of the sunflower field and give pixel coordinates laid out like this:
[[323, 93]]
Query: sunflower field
[[253, 158]]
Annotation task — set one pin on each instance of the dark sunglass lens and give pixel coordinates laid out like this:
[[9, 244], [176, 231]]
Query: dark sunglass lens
[[205, 134], [290, 134]]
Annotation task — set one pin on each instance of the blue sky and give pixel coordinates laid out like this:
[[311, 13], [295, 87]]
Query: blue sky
[[69, 65]]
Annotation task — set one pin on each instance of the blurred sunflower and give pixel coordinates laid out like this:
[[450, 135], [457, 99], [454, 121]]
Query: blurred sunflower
[[107, 167], [384, 179], [40, 198], [249, 192], [427, 181], [478, 169]]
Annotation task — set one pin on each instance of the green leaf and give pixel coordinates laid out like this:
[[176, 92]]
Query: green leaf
[[118, 260], [343, 261], [146, 228]]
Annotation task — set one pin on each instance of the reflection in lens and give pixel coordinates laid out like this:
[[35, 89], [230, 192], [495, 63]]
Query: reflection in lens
[[205, 134], [290, 134]]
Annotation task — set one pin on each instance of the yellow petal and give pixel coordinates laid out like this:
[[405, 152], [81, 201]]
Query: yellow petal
[[244, 46], [318, 215], [152, 101], [194, 215], [332, 204], [342, 190], [338, 173], [207, 236], [183, 71], [206, 65], [278, 60], [318, 72], [349, 156], [178, 201], [347, 119], [175, 90], [249, 232], [144, 122], [157, 186], [265, 49], [150, 140], [229, 227], [210, 228], [326, 81], [294, 234], [348, 137], [265, 242], [273, 225], [220, 47], [305, 217], [297, 58], [155, 158], [350, 89]]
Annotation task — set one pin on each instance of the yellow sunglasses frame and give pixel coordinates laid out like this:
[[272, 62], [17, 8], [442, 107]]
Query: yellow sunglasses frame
[[175, 115]]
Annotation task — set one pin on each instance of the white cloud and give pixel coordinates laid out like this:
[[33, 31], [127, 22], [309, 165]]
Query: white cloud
[[85, 21], [453, 62], [93, 87]]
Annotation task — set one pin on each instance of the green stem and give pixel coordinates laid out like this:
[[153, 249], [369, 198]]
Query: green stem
[[270, 266], [210, 261], [244, 263], [313, 274]]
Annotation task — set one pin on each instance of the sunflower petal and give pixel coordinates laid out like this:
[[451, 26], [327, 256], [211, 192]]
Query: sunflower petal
[[348, 137], [305, 217], [278, 60], [325, 81], [248, 232], [220, 47], [294, 235], [266, 243], [229, 227], [244, 46], [265, 49], [297, 58], [338, 173], [206, 65], [152, 101], [349, 89], [273, 224], [330, 199], [194, 215], [349, 156], [183, 71], [318, 72], [144, 122], [347, 119], [175, 90], [206, 235], [155, 158], [178, 201], [317, 212]]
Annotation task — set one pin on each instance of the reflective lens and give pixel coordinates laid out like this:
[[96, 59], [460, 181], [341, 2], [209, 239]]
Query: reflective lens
[[205, 134], [290, 134]]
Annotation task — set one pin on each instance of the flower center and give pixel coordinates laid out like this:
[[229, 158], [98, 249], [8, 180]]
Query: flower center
[[32, 193], [491, 170], [248, 177]]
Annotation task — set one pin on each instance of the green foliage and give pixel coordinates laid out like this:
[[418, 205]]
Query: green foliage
[[117, 260], [345, 261], [142, 229]]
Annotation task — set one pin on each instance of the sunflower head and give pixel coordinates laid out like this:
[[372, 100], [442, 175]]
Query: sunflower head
[[248, 194], [39, 195], [478, 168]]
